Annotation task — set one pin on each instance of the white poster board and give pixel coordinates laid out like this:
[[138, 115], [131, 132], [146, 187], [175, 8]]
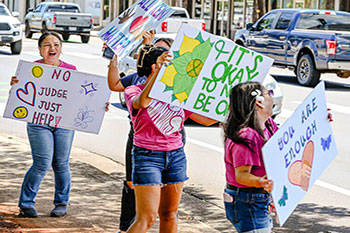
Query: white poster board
[[58, 97], [299, 152], [203, 69], [125, 32]]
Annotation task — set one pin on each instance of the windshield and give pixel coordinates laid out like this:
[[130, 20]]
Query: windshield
[[3, 11], [179, 14], [324, 22], [62, 8]]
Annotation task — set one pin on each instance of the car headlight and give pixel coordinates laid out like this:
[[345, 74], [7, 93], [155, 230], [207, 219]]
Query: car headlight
[[16, 25]]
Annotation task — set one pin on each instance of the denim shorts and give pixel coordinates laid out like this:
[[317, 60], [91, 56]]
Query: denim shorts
[[248, 212], [151, 167]]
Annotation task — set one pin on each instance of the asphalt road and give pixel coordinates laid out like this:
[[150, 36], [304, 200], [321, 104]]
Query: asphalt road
[[325, 208]]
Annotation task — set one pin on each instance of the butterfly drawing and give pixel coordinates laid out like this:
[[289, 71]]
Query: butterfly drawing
[[282, 201], [325, 142]]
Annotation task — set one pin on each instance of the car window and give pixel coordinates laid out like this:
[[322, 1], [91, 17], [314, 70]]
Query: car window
[[179, 14], [266, 22], [38, 8], [315, 21], [283, 21], [3, 11], [62, 8]]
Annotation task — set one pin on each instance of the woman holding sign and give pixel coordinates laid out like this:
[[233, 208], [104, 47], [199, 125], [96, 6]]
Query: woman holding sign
[[248, 127], [159, 161], [50, 146]]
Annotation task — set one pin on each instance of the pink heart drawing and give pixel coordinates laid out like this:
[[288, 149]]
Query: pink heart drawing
[[27, 95]]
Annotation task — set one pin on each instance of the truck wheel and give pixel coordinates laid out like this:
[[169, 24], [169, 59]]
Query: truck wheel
[[122, 99], [85, 38], [27, 32], [44, 28], [307, 74], [16, 47], [65, 36]]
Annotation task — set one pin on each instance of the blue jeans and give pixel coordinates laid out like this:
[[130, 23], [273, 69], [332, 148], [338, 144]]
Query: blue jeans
[[151, 167], [248, 212], [50, 147]]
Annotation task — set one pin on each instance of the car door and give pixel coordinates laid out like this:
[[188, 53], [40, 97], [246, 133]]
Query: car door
[[277, 38], [257, 38], [36, 17]]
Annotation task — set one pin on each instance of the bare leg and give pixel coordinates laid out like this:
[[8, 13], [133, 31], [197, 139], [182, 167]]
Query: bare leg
[[169, 203], [147, 203]]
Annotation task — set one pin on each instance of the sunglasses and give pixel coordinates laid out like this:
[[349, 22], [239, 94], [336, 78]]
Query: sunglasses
[[270, 92]]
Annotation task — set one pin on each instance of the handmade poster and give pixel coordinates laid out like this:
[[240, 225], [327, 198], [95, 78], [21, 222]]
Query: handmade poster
[[299, 152], [58, 97], [125, 32], [203, 69]]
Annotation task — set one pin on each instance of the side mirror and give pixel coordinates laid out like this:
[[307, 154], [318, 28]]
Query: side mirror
[[15, 14], [30, 10], [250, 27]]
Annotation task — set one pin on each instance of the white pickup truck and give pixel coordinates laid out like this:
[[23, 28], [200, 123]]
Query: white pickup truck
[[10, 30], [174, 22], [64, 18]]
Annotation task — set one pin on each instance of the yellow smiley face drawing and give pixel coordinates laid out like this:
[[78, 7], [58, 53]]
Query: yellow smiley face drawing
[[37, 71], [20, 112]]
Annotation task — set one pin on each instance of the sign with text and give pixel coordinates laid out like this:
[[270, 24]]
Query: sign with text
[[125, 32], [58, 97], [203, 69], [299, 152]]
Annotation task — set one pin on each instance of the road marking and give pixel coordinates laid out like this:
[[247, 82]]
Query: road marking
[[206, 145], [333, 187], [334, 107]]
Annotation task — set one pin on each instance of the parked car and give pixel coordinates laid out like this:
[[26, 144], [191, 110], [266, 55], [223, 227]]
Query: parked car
[[309, 42], [174, 22], [64, 18], [128, 66], [10, 30]]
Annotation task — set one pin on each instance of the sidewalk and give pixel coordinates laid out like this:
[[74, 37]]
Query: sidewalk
[[95, 196]]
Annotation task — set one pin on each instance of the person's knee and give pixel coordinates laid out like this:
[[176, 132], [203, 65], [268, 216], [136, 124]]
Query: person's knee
[[42, 166], [60, 166], [168, 215], [148, 219]]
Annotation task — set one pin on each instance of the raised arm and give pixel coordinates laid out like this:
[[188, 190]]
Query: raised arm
[[202, 119], [114, 82]]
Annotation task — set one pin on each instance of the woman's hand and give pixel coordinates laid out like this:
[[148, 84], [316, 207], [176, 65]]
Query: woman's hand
[[329, 116], [114, 62], [148, 37], [107, 106], [14, 80], [163, 59], [266, 184]]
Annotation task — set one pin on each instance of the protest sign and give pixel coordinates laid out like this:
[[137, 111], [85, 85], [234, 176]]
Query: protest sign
[[299, 152], [125, 32], [203, 69], [58, 97]]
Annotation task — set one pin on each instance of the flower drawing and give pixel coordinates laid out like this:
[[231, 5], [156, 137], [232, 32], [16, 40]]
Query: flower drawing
[[83, 118], [181, 74]]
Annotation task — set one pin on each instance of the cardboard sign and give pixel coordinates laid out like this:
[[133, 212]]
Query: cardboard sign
[[299, 152], [125, 32], [58, 97], [203, 69]]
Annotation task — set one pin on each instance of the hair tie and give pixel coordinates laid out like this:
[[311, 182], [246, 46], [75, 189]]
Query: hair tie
[[258, 95]]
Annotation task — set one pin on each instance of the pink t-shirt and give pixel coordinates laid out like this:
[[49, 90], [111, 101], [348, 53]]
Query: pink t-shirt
[[62, 65], [239, 155], [157, 126]]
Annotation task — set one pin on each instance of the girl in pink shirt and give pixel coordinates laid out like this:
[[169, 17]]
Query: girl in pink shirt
[[159, 161], [248, 127]]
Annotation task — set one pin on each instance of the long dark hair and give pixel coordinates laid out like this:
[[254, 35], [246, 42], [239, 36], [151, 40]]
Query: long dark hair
[[242, 113]]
